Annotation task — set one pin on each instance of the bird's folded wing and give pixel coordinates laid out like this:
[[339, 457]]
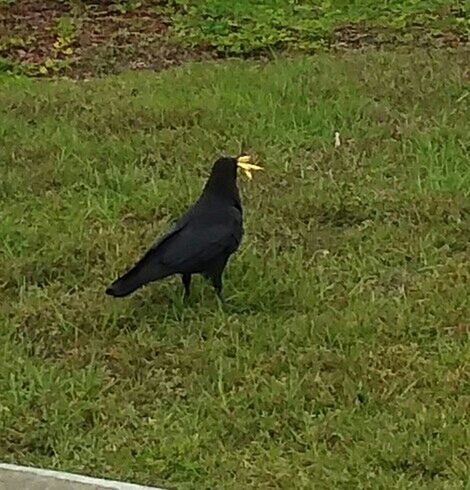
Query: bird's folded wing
[[174, 229], [193, 246]]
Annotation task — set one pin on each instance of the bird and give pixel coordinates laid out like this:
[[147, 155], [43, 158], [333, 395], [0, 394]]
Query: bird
[[202, 240]]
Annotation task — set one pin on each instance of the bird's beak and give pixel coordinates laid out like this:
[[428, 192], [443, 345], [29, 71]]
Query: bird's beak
[[243, 163]]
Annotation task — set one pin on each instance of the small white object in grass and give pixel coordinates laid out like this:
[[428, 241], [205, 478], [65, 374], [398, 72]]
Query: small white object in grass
[[337, 140]]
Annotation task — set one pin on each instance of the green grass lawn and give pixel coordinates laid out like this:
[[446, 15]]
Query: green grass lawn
[[342, 358]]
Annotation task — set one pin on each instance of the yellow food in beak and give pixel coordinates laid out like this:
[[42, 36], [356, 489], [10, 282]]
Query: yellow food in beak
[[244, 164]]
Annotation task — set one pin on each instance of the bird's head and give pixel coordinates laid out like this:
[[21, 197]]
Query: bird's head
[[222, 180], [226, 167]]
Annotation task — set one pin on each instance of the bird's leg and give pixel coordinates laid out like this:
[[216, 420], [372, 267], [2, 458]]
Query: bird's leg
[[187, 284], [217, 283]]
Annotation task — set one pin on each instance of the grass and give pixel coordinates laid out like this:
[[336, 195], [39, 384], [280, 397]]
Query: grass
[[342, 359]]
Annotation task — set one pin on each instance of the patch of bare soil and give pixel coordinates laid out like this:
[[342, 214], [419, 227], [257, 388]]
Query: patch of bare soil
[[82, 39], [51, 37], [356, 36]]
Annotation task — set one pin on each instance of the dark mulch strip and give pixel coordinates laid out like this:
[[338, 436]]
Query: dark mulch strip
[[356, 36], [104, 40], [26, 30]]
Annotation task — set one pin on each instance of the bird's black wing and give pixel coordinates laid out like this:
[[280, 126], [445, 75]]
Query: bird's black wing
[[200, 241], [190, 244], [175, 228], [149, 267]]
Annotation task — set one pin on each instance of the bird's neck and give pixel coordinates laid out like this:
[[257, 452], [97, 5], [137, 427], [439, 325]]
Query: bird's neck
[[221, 190]]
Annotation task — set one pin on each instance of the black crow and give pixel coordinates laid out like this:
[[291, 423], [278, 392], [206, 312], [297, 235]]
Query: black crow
[[201, 241]]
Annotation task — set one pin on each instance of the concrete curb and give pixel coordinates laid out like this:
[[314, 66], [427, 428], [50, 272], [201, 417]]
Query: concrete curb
[[13, 477]]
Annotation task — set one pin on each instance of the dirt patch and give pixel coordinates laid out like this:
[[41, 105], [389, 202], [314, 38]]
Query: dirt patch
[[82, 39], [356, 36], [26, 30], [50, 38]]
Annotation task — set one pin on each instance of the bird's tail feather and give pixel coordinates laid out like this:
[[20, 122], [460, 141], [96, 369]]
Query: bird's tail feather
[[125, 285], [142, 273]]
